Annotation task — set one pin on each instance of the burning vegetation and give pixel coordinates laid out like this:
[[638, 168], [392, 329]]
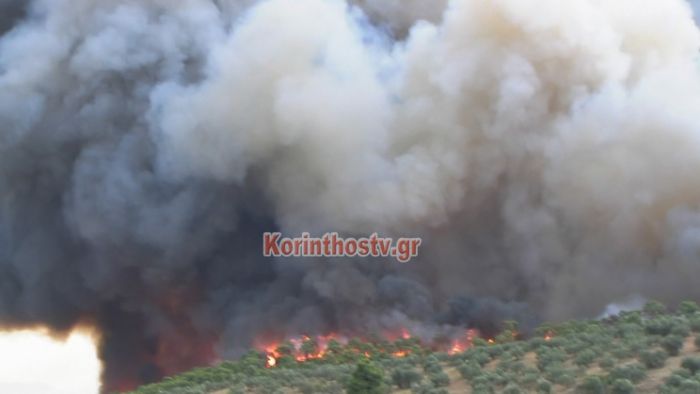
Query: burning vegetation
[[647, 351], [341, 349]]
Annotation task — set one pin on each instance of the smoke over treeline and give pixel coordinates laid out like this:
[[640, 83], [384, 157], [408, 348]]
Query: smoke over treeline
[[546, 151]]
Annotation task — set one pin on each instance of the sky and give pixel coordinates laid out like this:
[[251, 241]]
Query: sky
[[696, 7]]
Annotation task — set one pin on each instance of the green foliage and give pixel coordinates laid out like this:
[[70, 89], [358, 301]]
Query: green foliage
[[623, 352], [688, 307], [681, 329], [544, 386], [694, 322], [653, 359], [469, 370], [653, 308], [548, 356], [439, 379], [512, 388], [404, 378], [659, 326], [622, 386], [591, 385], [689, 386], [606, 362], [432, 365], [672, 344], [367, 379], [560, 375], [632, 372], [692, 364]]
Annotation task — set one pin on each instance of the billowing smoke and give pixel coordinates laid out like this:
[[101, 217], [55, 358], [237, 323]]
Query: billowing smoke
[[546, 151]]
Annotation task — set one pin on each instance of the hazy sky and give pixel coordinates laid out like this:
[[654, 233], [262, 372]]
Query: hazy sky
[[696, 6]]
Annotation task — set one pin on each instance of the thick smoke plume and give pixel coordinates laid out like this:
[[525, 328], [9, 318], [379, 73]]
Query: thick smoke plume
[[547, 151]]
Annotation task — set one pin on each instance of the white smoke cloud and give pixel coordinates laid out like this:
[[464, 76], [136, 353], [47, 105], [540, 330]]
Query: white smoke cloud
[[580, 120]]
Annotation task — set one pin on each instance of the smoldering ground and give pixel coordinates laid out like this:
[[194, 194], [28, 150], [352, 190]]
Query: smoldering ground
[[546, 151]]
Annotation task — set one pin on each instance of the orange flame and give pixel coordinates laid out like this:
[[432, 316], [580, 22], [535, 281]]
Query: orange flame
[[462, 344], [320, 349]]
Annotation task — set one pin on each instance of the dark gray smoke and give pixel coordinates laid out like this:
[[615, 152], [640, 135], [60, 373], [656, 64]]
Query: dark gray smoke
[[545, 151]]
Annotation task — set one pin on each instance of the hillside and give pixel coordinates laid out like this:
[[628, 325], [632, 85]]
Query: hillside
[[648, 351]]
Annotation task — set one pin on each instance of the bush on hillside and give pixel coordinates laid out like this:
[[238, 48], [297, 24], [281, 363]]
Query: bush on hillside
[[632, 372], [672, 344], [439, 379], [367, 379], [692, 364], [591, 385], [404, 378], [688, 307], [622, 386], [653, 359]]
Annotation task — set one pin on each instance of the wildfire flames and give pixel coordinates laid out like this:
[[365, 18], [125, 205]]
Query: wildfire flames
[[305, 348], [271, 361]]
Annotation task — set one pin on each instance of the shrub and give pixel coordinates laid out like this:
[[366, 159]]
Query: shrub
[[676, 379], [575, 346], [427, 388], [544, 386], [654, 308], [308, 387], [622, 386], [439, 379], [585, 358], [606, 362], [672, 344], [482, 385], [496, 378], [631, 372], [529, 378], [481, 357], [688, 307], [517, 352], [694, 322], [404, 378], [659, 326], [692, 364], [631, 317], [689, 386], [469, 370], [512, 388], [236, 390], [653, 359], [367, 379], [622, 352], [546, 357], [680, 329], [591, 385], [560, 375], [697, 342], [432, 367]]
